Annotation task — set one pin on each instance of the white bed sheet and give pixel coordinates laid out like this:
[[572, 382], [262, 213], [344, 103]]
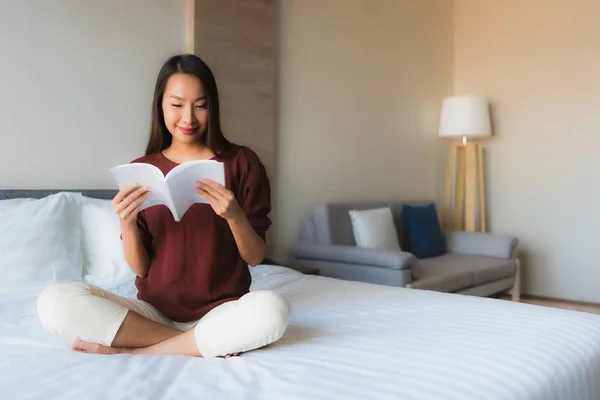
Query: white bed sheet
[[346, 340]]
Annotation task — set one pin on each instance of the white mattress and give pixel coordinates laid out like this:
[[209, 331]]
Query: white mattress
[[346, 340]]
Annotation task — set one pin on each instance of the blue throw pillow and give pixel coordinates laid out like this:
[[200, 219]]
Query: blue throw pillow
[[422, 231]]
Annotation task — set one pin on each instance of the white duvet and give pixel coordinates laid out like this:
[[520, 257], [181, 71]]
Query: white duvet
[[346, 340]]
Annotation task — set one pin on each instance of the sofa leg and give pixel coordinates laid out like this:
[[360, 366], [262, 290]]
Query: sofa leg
[[516, 289]]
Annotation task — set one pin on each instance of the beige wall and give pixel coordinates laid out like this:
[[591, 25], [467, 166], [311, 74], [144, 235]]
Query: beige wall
[[77, 81], [359, 81], [538, 62], [359, 92]]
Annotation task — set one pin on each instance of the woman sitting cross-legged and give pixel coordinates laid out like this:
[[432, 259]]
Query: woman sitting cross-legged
[[193, 278]]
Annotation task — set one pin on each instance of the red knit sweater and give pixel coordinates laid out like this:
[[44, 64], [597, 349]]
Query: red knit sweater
[[195, 263]]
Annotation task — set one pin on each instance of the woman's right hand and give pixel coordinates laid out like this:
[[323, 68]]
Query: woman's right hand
[[128, 201]]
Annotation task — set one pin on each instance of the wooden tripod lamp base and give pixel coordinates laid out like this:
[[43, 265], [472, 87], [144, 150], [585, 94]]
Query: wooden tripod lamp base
[[466, 117], [469, 194]]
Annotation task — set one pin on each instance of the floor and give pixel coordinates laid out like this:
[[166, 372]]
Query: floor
[[591, 308]]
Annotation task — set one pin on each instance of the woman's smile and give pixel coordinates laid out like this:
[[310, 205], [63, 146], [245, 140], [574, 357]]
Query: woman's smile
[[188, 130]]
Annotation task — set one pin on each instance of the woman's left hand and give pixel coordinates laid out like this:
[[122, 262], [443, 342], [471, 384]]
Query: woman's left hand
[[220, 198]]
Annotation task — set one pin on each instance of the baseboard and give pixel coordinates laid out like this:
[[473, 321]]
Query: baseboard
[[560, 300]]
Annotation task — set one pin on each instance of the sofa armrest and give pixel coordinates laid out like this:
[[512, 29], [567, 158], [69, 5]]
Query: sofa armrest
[[483, 244], [355, 255]]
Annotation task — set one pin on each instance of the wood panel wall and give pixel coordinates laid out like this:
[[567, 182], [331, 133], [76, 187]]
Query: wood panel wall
[[238, 39]]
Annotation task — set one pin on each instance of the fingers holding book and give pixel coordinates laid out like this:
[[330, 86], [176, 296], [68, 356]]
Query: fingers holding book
[[128, 201], [220, 198]]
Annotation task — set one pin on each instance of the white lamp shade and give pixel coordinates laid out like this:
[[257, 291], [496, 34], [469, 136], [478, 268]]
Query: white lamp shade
[[465, 116]]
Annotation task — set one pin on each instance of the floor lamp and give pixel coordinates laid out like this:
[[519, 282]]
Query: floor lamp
[[464, 117]]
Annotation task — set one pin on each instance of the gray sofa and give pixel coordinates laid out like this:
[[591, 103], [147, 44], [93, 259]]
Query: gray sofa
[[474, 263]]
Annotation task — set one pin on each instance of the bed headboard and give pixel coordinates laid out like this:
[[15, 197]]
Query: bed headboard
[[39, 193]]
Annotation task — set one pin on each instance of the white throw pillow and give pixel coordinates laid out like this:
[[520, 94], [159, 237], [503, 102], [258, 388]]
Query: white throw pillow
[[375, 229], [103, 258], [39, 243], [8, 203]]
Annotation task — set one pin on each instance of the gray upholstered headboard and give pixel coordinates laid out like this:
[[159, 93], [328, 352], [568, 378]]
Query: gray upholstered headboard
[[39, 193]]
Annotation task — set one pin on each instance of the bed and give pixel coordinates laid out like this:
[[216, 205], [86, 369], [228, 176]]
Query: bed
[[346, 340]]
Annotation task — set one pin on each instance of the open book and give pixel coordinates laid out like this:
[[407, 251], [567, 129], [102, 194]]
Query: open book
[[176, 190]]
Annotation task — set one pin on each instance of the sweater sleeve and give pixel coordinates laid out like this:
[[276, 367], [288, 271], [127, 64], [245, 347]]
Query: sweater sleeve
[[145, 234], [255, 194]]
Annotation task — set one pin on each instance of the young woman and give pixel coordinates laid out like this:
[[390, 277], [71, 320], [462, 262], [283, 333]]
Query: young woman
[[193, 277]]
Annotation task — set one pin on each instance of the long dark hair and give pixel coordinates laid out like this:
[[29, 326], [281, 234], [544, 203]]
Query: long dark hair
[[160, 137]]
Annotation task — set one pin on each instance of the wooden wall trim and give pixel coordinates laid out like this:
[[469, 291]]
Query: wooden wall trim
[[238, 39], [190, 30]]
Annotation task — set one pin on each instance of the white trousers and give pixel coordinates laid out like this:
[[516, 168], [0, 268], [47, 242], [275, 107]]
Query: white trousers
[[86, 312]]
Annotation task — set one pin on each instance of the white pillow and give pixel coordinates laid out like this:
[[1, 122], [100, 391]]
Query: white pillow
[[39, 243], [103, 258], [102, 203], [375, 229], [7, 203]]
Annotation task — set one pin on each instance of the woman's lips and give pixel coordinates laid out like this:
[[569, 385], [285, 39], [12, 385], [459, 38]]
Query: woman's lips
[[187, 131]]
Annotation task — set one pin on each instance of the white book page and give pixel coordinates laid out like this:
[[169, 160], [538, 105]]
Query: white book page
[[145, 175], [182, 182]]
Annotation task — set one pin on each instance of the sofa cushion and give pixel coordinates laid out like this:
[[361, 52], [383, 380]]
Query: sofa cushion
[[332, 221], [422, 230], [481, 269], [374, 229], [439, 278]]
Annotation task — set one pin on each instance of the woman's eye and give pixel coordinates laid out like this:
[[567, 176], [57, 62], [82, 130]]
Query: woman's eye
[[201, 106], [176, 105]]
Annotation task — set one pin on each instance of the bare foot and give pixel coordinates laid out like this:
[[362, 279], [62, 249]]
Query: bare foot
[[87, 347], [96, 348]]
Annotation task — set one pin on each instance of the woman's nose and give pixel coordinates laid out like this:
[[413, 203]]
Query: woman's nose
[[188, 115]]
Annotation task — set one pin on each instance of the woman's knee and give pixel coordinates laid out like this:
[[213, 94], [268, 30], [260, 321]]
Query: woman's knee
[[80, 311], [271, 308], [57, 305], [257, 319]]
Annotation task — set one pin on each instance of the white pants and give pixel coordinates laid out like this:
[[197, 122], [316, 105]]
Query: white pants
[[85, 312]]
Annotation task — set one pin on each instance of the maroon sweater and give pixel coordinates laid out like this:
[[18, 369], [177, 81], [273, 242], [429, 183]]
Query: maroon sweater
[[195, 264]]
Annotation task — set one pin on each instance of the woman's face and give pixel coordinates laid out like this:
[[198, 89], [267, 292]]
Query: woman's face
[[185, 108]]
